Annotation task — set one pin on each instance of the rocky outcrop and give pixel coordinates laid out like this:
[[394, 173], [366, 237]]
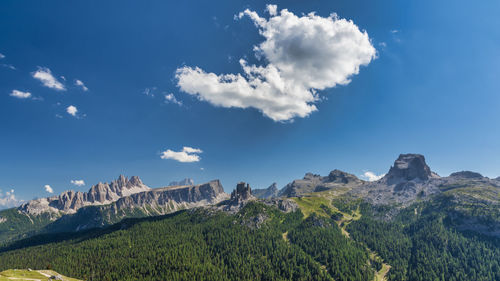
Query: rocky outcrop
[[186, 181], [71, 201], [466, 175], [270, 192], [316, 183], [409, 167]]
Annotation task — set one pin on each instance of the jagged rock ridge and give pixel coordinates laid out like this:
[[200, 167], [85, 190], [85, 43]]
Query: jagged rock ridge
[[186, 181], [315, 183], [270, 192], [158, 201], [70, 201]]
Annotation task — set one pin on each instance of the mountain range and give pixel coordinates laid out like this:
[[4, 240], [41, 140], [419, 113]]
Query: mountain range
[[408, 181], [411, 224]]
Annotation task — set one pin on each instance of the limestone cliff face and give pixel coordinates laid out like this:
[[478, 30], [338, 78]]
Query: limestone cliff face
[[71, 201], [174, 197], [158, 201]]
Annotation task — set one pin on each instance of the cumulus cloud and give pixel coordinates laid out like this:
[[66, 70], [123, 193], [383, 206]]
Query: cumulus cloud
[[48, 188], [48, 80], [71, 110], [8, 199], [304, 54], [78, 182], [187, 154], [170, 98], [371, 176], [80, 84], [20, 94]]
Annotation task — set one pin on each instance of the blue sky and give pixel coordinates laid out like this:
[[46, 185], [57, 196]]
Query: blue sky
[[432, 87]]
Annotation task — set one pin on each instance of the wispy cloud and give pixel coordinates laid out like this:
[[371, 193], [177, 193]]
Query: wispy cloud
[[305, 54], [170, 98], [79, 83], [20, 94], [8, 66], [44, 75], [2, 56], [149, 91], [78, 182], [48, 188], [187, 154]]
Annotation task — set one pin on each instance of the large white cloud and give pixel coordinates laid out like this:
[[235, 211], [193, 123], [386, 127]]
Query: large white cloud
[[9, 200], [304, 54], [48, 80], [187, 154]]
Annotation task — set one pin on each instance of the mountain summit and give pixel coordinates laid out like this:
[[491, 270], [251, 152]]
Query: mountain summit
[[409, 167]]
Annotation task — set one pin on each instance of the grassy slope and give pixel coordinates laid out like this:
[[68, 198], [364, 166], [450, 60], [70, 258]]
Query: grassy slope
[[22, 274], [316, 202]]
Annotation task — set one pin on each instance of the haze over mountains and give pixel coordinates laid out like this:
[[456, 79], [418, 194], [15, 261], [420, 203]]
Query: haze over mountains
[[409, 180]]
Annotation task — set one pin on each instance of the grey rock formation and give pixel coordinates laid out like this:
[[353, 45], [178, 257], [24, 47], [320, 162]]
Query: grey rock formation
[[409, 167], [466, 175], [158, 201], [407, 180], [186, 181], [70, 201], [316, 183], [270, 192]]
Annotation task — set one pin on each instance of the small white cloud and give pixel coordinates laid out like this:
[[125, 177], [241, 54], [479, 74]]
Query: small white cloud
[[9, 200], [203, 169], [20, 94], [170, 98], [71, 110], [81, 84], [48, 188], [2, 56], [371, 176], [272, 10], [382, 44], [394, 31], [63, 78], [304, 54], [78, 182], [48, 80], [187, 154]]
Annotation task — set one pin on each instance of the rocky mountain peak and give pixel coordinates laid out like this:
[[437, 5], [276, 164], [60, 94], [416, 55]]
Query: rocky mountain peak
[[409, 167], [270, 192], [241, 194], [466, 175], [186, 181], [338, 176]]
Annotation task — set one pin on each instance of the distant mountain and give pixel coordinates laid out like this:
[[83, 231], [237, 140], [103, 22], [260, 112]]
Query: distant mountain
[[154, 202], [103, 204], [186, 181], [70, 201], [270, 192], [316, 183]]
